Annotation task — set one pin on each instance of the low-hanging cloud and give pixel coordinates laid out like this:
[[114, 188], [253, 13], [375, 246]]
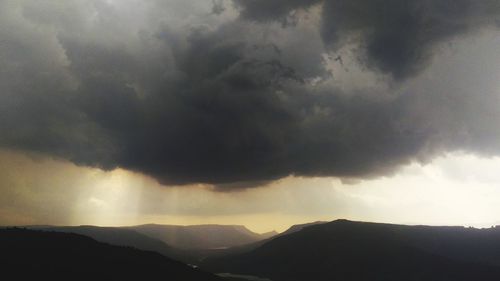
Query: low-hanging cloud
[[188, 92]]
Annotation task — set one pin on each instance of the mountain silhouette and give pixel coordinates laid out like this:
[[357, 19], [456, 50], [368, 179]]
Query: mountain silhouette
[[299, 227], [202, 255], [200, 236], [122, 237], [355, 251], [42, 255], [142, 237], [269, 234]]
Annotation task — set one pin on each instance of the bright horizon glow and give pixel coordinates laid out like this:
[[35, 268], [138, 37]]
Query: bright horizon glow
[[455, 189]]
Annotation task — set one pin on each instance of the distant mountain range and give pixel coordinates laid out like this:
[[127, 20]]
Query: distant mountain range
[[188, 244], [354, 251], [251, 246], [42, 255], [193, 237], [201, 236], [320, 251], [121, 237]]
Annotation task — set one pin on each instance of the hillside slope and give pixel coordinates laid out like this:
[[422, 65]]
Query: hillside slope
[[121, 237], [66, 256], [352, 251]]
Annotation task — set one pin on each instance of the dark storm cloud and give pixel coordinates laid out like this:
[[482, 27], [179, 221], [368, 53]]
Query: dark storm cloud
[[271, 10], [396, 36], [201, 97], [218, 7]]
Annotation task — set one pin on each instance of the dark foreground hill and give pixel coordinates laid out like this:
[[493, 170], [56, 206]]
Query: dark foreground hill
[[41, 255], [353, 251]]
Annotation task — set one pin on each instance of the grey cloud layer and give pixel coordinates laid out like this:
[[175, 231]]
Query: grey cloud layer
[[395, 36], [188, 92]]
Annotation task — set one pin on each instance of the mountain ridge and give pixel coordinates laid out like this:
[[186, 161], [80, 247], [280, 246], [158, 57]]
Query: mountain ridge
[[206, 236], [356, 251]]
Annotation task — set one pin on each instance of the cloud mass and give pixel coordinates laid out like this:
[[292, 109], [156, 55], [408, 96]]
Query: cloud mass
[[241, 93]]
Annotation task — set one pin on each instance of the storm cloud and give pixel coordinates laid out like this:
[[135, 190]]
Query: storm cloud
[[394, 36], [224, 93]]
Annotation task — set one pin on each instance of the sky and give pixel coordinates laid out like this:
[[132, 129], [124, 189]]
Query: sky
[[254, 112]]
